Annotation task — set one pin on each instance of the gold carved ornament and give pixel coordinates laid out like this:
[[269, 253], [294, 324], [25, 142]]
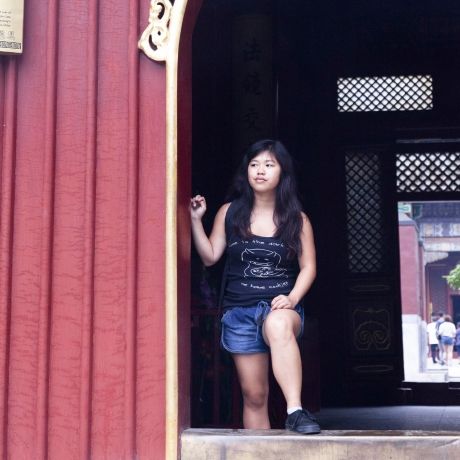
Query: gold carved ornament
[[154, 39]]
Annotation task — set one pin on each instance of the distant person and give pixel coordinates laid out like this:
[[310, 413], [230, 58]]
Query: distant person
[[433, 339], [439, 321], [447, 331], [457, 341]]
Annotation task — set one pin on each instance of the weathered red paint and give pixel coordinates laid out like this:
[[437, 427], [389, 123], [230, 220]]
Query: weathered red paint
[[7, 146], [184, 112], [82, 236]]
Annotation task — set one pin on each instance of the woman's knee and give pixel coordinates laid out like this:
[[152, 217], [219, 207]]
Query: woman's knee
[[255, 398], [279, 325]]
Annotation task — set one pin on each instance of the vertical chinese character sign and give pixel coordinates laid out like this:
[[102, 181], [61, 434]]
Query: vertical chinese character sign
[[253, 96], [11, 25]]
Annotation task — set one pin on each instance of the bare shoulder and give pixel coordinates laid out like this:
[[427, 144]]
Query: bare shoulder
[[219, 220], [307, 228], [221, 213], [305, 219], [225, 206]]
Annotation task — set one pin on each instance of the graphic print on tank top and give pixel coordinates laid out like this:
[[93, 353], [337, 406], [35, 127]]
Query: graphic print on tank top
[[262, 263], [257, 267]]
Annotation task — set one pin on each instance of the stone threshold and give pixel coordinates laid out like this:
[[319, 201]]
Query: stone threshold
[[228, 444]]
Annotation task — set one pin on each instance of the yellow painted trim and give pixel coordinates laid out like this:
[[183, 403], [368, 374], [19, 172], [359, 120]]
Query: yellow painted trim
[[172, 388], [168, 49]]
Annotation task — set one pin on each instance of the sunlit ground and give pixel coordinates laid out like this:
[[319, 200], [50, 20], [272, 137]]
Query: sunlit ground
[[435, 372]]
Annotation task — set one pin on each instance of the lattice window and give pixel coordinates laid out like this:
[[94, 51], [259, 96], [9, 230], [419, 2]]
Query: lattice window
[[364, 213], [428, 172], [377, 94]]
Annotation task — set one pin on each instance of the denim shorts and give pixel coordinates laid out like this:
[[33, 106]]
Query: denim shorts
[[242, 328], [445, 340]]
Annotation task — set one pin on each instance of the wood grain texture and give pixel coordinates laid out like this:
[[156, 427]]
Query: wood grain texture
[[8, 78], [329, 445], [82, 237]]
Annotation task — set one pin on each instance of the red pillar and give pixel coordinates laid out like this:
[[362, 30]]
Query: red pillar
[[411, 265]]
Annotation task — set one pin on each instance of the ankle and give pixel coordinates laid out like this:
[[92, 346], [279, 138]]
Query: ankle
[[292, 409]]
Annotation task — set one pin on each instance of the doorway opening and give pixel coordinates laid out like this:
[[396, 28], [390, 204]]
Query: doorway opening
[[267, 69], [238, 94], [429, 242]]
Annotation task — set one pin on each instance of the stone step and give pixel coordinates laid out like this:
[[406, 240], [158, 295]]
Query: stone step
[[228, 444]]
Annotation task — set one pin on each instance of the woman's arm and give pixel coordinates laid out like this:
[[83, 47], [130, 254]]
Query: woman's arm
[[307, 273], [209, 249]]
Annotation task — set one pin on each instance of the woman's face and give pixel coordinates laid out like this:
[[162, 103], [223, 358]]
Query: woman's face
[[264, 172]]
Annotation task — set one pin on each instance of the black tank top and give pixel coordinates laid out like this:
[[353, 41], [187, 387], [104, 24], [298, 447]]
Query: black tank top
[[257, 267]]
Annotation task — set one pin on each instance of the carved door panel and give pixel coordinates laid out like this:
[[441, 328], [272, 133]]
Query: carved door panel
[[371, 284], [376, 179]]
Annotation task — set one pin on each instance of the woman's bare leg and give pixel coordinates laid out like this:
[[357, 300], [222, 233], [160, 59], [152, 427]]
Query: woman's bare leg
[[280, 331], [448, 351], [253, 376]]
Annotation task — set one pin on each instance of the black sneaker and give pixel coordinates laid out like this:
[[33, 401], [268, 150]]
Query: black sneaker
[[303, 422]]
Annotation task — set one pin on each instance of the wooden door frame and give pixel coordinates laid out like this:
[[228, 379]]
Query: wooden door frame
[[168, 38]]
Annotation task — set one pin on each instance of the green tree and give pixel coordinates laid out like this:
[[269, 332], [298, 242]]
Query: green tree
[[453, 278]]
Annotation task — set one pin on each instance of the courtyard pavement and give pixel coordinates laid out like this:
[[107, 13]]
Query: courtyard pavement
[[436, 372]]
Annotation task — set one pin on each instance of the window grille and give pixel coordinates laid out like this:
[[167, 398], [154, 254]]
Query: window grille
[[364, 213], [382, 94], [428, 172]]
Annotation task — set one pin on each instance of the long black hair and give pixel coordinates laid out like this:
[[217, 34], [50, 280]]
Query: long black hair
[[287, 215]]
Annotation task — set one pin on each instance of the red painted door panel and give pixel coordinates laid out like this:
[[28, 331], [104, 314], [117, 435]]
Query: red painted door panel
[[82, 236]]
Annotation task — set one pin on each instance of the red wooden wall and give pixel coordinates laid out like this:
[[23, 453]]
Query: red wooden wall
[[82, 143]]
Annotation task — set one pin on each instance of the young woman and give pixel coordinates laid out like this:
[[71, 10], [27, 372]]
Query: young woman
[[447, 331], [270, 267]]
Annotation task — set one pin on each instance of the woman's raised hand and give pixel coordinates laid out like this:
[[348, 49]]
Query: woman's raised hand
[[197, 207], [281, 302]]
